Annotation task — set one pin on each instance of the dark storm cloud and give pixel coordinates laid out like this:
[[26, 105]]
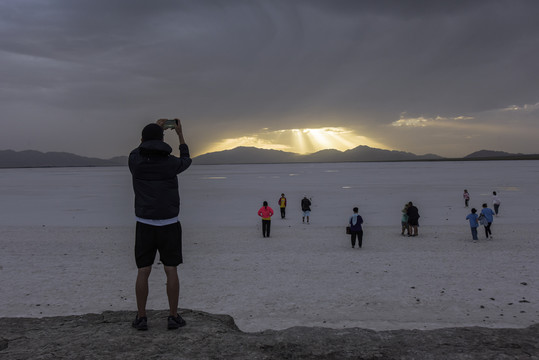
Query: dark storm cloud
[[239, 66], [443, 56]]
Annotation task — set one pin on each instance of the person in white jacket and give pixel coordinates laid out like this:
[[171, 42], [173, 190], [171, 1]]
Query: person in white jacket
[[496, 202], [356, 231]]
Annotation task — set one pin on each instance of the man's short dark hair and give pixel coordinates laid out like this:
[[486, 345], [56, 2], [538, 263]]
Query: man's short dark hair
[[152, 132]]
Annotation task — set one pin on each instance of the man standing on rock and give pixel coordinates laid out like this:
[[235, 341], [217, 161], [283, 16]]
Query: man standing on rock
[[157, 205]]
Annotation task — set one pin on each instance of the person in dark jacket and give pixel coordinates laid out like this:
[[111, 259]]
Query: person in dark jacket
[[306, 208], [356, 230], [157, 205], [413, 219]]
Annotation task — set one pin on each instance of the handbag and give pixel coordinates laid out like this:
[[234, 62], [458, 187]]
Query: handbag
[[482, 220], [348, 230]]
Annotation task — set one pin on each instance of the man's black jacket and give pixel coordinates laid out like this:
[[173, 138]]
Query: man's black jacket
[[155, 180]]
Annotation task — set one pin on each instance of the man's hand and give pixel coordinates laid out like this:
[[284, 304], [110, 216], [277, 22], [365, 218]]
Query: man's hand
[[179, 131], [178, 127]]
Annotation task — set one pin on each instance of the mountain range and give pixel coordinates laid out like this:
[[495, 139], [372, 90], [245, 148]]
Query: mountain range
[[32, 158], [246, 155], [250, 155], [496, 155]]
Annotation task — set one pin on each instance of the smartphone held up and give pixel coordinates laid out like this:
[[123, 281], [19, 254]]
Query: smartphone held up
[[170, 124]]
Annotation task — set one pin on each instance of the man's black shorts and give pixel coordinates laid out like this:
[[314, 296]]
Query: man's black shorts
[[167, 239]]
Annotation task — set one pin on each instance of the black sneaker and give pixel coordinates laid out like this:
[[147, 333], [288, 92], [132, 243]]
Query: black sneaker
[[140, 323], [175, 322]]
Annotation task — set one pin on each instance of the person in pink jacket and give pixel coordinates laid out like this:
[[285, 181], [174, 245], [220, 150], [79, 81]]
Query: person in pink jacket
[[265, 213]]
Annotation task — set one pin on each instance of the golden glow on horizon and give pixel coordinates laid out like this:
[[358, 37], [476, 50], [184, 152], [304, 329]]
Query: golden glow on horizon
[[301, 141]]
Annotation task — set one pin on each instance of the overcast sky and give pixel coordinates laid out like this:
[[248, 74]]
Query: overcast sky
[[443, 77]]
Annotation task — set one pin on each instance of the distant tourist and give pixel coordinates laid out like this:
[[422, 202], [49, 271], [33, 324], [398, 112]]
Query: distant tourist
[[466, 197], [486, 218], [413, 219], [472, 217], [265, 213], [496, 202], [404, 220], [306, 208], [282, 205], [356, 231], [157, 205]]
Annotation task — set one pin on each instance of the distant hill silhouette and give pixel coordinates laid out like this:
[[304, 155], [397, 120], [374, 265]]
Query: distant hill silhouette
[[246, 155], [251, 155], [366, 153], [499, 155], [489, 154], [32, 158]]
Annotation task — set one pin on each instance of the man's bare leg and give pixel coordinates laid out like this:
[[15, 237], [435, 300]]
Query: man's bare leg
[[141, 290], [173, 289]]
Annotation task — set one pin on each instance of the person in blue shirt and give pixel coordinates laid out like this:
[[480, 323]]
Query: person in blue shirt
[[404, 220], [356, 231], [488, 215], [473, 223]]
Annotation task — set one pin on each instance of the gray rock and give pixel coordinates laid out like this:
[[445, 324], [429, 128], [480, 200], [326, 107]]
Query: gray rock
[[206, 336]]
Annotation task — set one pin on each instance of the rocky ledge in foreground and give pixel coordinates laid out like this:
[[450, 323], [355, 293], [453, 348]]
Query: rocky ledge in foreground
[[206, 336]]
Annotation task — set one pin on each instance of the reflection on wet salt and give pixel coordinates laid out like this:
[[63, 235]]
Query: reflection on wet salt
[[214, 177], [346, 187], [293, 174], [331, 171], [511, 188]]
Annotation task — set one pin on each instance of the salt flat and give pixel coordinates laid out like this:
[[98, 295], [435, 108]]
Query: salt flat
[[66, 245]]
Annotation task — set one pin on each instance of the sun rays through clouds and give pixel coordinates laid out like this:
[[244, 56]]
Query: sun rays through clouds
[[301, 141]]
